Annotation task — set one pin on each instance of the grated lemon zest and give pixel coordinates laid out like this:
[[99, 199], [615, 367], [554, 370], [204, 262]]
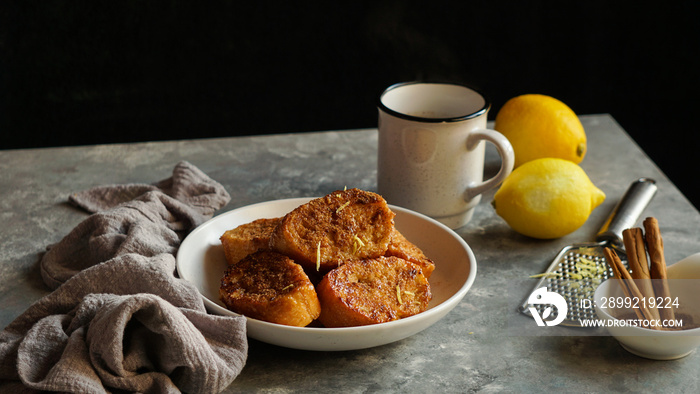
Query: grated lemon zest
[[358, 244], [318, 256], [340, 208], [398, 294], [585, 261], [575, 275], [288, 286], [546, 274], [409, 292], [359, 240], [584, 269], [587, 270]]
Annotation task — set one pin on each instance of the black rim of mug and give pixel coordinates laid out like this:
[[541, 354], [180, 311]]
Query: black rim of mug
[[483, 110]]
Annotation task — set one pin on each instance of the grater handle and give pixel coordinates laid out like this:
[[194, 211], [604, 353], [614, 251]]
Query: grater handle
[[627, 211]]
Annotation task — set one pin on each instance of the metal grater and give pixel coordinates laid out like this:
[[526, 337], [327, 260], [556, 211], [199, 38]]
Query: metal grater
[[562, 275]]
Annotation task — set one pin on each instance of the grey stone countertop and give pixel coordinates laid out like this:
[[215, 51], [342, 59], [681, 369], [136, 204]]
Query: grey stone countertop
[[474, 348]]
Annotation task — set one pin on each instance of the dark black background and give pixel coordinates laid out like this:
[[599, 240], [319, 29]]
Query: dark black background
[[88, 72]]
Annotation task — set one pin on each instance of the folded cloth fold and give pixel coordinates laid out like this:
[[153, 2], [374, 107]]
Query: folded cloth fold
[[119, 318], [134, 218], [188, 184]]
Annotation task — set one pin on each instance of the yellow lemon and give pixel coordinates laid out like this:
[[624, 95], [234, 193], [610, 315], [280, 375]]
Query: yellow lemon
[[547, 198], [540, 126]]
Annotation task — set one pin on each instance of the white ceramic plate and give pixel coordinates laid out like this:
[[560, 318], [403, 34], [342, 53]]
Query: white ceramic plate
[[201, 261]]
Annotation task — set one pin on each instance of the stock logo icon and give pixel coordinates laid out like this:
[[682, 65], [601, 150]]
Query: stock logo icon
[[543, 297]]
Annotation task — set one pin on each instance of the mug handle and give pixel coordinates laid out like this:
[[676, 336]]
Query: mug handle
[[505, 150]]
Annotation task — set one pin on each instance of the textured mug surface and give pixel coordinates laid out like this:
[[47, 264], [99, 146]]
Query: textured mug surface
[[431, 149]]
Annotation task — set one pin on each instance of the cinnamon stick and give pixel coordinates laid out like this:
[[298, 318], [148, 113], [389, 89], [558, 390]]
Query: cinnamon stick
[[633, 240], [657, 268], [625, 280]]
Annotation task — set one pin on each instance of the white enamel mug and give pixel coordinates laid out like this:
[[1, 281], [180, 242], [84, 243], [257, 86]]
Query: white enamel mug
[[431, 149]]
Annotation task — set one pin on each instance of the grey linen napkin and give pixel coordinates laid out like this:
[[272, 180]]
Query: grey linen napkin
[[119, 318]]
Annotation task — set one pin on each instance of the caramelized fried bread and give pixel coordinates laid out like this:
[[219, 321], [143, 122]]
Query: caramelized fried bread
[[247, 238], [269, 286], [371, 291], [343, 225], [401, 247]]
